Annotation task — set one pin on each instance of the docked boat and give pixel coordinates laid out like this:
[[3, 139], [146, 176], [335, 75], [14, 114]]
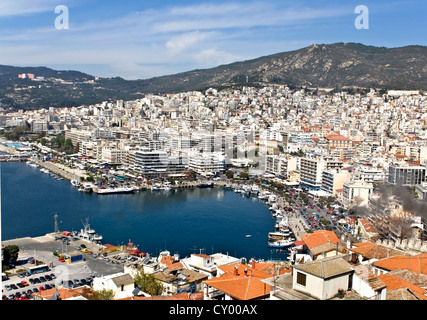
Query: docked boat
[[32, 164], [116, 190], [277, 235], [254, 190], [281, 244], [166, 188], [86, 188], [75, 183], [206, 185], [87, 233], [44, 170], [155, 187]]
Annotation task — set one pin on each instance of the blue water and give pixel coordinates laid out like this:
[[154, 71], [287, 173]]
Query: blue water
[[182, 221]]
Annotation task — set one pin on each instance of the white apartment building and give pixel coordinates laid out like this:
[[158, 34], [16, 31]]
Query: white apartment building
[[312, 169], [371, 174], [355, 191], [77, 136], [91, 149], [406, 175], [202, 162], [280, 165], [333, 180], [112, 155], [151, 162]]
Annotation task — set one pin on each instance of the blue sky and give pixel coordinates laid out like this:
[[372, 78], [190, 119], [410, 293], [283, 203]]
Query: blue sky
[[138, 39]]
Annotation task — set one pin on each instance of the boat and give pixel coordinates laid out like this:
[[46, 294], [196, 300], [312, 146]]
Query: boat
[[75, 183], [277, 235], [44, 170], [32, 164], [254, 190], [116, 190], [264, 195], [86, 188], [87, 233], [248, 236], [206, 185], [155, 187], [281, 244]]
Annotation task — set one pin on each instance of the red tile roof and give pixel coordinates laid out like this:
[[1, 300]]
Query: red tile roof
[[336, 137], [243, 281], [396, 283], [416, 263]]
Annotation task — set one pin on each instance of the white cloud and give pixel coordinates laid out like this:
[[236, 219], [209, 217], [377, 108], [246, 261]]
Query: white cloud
[[185, 41], [24, 7], [213, 57], [171, 39]]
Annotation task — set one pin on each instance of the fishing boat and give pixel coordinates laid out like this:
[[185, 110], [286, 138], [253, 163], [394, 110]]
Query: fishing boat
[[87, 233]]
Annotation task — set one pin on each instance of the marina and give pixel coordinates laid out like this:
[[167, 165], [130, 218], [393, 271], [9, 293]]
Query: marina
[[154, 220]]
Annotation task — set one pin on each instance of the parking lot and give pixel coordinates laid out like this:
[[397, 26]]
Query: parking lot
[[60, 273]]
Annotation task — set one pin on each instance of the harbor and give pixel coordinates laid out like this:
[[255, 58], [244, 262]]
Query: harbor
[[155, 220]]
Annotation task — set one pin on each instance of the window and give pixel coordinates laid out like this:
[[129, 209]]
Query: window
[[301, 278]]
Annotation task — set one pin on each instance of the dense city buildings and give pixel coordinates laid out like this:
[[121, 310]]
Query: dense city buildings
[[350, 167]]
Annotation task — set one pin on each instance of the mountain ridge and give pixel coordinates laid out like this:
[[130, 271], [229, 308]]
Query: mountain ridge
[[339, 66]]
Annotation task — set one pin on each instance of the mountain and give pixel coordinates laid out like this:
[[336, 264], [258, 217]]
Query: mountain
[[339, 65], [326, 66]]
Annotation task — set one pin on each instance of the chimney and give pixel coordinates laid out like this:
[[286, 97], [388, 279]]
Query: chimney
[[253, 263], [236, 271]]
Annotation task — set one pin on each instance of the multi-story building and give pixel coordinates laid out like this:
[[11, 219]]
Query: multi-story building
[[333, 180], [406, 175], [112, 155], [77, 136], [280, 166], [151, 162], [357, 192], [312, 168], [203, 162]]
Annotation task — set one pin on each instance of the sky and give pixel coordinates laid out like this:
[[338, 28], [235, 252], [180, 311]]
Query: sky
[[139, 39]]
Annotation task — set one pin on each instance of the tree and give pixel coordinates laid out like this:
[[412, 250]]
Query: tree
[[148, 283], [244, 175], [103, 294], [229, 174], [10, 253]]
